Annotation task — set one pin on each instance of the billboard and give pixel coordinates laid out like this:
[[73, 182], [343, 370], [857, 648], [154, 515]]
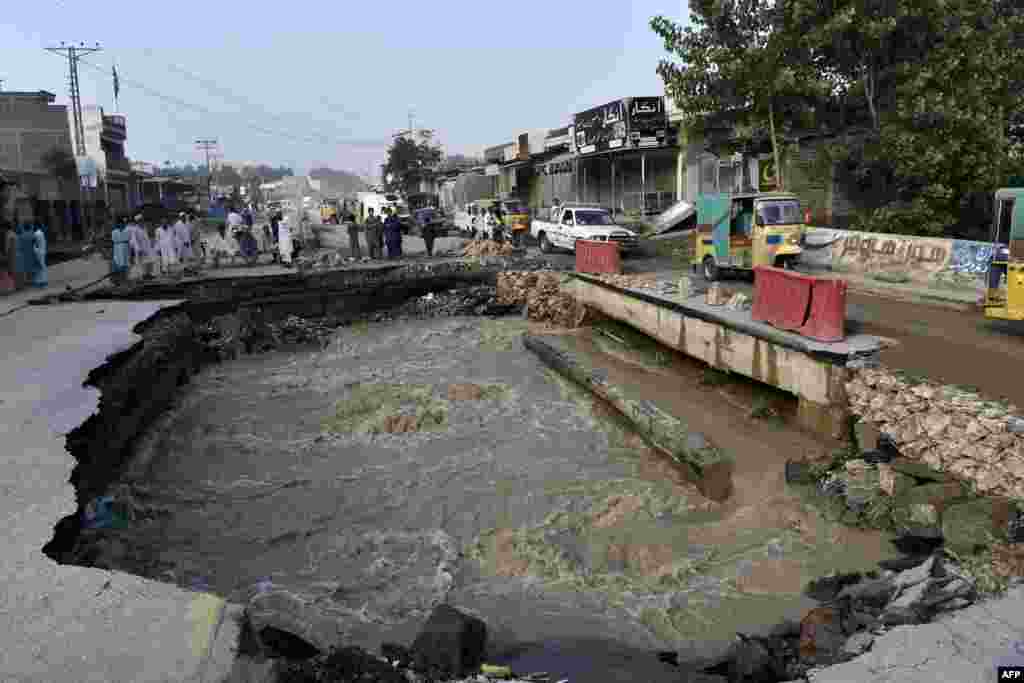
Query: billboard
[[601, 128], [647, 122], [558, 140], [496, 154]]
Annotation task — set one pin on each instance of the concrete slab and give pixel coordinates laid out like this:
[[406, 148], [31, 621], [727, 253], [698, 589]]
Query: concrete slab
[[854, 346], [965, 647], [74, 273], [66, 623]]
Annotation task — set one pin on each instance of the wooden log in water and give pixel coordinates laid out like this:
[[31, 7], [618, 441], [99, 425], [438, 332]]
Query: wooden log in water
[[709, 467]]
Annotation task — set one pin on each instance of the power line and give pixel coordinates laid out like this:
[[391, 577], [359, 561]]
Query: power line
[[216, 88], [319, 140]]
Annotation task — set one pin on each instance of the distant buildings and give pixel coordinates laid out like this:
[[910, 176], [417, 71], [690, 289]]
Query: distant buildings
[[105, 135]]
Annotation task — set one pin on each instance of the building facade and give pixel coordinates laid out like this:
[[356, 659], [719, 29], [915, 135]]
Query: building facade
[[105, 135], [34, 133]]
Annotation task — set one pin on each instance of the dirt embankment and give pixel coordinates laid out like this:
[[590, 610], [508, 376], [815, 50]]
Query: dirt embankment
[[135, 387]]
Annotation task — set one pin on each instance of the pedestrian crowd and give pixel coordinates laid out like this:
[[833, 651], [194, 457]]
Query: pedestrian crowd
[[24, 246], [383, 235]]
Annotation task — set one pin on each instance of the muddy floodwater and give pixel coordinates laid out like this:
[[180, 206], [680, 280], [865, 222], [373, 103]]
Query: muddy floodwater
[[408, 463]]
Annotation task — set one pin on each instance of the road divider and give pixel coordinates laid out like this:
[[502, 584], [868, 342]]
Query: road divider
[[598, 257], [812, 307]]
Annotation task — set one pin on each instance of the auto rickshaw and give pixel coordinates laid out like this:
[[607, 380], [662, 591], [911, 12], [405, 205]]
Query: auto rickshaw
[[1004, 293], [517, 215], [736, 232], [329, 210]]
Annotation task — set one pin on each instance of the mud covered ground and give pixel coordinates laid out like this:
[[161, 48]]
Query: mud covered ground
[[411, 462]]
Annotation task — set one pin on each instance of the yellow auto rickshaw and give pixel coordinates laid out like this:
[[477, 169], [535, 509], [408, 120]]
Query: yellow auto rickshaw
[[736, 232], [1004, 292]]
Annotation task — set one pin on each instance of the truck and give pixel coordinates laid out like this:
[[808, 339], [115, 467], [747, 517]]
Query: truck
[[581, 222]]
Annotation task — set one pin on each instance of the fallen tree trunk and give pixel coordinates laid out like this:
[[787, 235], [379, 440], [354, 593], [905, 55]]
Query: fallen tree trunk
[[706, 466]]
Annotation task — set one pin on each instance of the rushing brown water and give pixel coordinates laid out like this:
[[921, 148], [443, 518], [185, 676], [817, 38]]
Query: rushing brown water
[[372, 476]]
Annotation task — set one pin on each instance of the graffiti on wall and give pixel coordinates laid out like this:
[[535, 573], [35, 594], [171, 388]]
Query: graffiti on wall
[[970, 257], [921, 258], [895, 249]]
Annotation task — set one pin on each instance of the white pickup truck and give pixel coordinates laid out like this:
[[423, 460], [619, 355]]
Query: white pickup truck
[[581, 223]]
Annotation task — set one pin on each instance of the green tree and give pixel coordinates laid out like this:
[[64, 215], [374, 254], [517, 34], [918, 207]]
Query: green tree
[[62, 166], [941, 81], [737, 69], [408, 161]]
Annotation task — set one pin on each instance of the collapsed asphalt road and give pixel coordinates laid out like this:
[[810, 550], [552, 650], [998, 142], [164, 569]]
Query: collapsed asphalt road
[[399, 464]]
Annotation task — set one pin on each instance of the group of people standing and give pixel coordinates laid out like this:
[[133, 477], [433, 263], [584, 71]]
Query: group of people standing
[[379, 234], [25, 247], [155, 249]]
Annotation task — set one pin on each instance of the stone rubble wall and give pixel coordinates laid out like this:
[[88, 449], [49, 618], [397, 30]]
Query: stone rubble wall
[[948, 429]]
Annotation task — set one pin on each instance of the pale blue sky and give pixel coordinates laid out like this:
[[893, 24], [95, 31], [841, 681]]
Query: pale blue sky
[[480, 73]]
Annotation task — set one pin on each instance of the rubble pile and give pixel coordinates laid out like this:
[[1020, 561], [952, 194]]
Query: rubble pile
[[540, 293], [855, 609], [631, 281], [307, 646], [487, 248], [946, 428], [296, 330], [478, 300]]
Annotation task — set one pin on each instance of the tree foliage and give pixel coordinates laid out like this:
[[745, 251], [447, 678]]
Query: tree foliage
[[408, 161], [922, 100], [60, 163]]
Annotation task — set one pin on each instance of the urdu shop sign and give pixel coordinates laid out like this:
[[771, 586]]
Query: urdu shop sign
[[556, 168]]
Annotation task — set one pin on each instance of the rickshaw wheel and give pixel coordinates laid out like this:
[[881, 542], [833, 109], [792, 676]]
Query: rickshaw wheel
[[710, 269]]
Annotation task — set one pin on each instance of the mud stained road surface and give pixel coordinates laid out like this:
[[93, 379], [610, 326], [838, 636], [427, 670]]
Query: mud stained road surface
[[955, 347], [410, 463]]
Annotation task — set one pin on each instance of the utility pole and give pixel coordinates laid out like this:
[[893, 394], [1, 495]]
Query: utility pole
[[73, 54], [206, 146]]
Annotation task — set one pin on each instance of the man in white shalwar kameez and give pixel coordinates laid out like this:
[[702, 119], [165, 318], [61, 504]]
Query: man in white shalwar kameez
[[183, 239], [166, 248], [284, 240], [137, 239]]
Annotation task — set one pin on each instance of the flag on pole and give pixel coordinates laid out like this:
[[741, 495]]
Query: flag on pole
[[117, 83]]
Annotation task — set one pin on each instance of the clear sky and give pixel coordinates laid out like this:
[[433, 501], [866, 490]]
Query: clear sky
[[330, 82]]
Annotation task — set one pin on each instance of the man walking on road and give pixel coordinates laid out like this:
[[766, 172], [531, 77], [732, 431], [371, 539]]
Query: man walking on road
[[183, 239], [374, 234], [393, 234], [353, 234]]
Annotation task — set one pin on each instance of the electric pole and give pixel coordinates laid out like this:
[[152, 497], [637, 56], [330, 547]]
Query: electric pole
[[206, 146], [73, 54]]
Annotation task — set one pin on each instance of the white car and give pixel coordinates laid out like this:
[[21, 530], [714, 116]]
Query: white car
[[582, 223]]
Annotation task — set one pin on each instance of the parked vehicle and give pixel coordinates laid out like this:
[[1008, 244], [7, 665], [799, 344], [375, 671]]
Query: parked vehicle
[[517, 215], [1004, 295], [429, 216], [736, 232], [578, 222], [329, 209]]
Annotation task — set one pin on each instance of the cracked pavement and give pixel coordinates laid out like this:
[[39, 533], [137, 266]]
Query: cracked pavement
[[964, 646]]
